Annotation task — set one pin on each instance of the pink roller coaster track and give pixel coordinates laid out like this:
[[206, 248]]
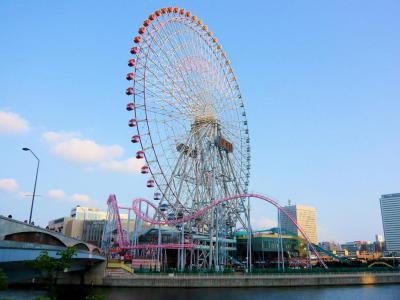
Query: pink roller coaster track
[[146, 218]]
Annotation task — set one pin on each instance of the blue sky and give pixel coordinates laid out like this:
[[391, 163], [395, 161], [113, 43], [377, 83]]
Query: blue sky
[[321, 87]]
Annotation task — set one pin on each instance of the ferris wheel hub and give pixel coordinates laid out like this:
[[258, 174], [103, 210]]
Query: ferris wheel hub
[[202, 120]]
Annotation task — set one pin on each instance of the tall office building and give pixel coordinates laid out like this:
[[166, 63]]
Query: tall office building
[[390, 210], [305, 216]]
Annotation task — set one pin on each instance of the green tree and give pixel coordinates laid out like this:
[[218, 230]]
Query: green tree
[[50, 266], [3, 280]]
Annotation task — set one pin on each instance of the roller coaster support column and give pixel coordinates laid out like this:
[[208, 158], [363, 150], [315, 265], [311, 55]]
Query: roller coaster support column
[[159, 249], [216, 262], [210, 255], [183, 250], [280, 248], [249, 236]]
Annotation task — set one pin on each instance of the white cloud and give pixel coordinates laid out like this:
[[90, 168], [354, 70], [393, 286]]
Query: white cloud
[[57, 137], [263, 223], [80, 198], [8, 185], [56, 194], [70, 147], [131, 165], [59, 194], [12, 123]]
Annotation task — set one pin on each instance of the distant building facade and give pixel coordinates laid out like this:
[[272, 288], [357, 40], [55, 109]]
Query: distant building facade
[[390, 210], [86, 224], [57, 225], [379, 243], [330, 246], [305, 216], [353, 247], [93, 231]]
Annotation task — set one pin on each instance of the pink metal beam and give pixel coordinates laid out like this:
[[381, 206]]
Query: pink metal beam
[[112, 200], [162, 246]]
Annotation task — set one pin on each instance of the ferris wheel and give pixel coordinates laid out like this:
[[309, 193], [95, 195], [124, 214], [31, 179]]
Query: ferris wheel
[[190, 119]]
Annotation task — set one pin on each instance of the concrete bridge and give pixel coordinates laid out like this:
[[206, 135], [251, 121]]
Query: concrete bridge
[[21, 242]]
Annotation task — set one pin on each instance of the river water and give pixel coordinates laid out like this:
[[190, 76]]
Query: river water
[[378, 292]]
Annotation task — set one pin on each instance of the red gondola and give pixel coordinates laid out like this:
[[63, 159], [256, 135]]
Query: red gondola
[[135, 139], [150, 183], [134, 50], [146, 23], [132, 62], [144, 170], [130, 76], [130, 106], [140, 154], [132, 123], [142, 30], [130, 91]]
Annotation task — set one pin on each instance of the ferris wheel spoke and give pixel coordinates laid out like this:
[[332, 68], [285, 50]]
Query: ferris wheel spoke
[[181, 47], [141, 82], [168, 61], [192, 82]]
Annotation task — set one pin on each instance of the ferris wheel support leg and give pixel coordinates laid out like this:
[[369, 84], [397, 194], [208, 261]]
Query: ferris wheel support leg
[[191, 260]]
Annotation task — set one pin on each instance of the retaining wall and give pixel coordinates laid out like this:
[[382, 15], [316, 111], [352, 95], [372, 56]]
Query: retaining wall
[[253, 280]]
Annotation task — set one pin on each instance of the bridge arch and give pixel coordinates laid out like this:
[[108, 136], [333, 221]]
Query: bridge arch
[[81, 246], [35, 237]]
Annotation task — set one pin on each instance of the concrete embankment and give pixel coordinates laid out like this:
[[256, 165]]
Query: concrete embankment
[[278, 280]]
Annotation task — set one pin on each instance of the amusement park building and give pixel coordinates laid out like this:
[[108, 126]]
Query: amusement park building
[[390, 209], [84, 223], [305, 216], [265, 246]]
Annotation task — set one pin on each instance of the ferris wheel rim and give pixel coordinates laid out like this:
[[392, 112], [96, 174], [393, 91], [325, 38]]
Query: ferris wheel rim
[[147, 121]]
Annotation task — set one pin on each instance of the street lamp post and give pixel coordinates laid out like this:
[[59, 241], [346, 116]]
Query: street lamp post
[[34, 187]]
